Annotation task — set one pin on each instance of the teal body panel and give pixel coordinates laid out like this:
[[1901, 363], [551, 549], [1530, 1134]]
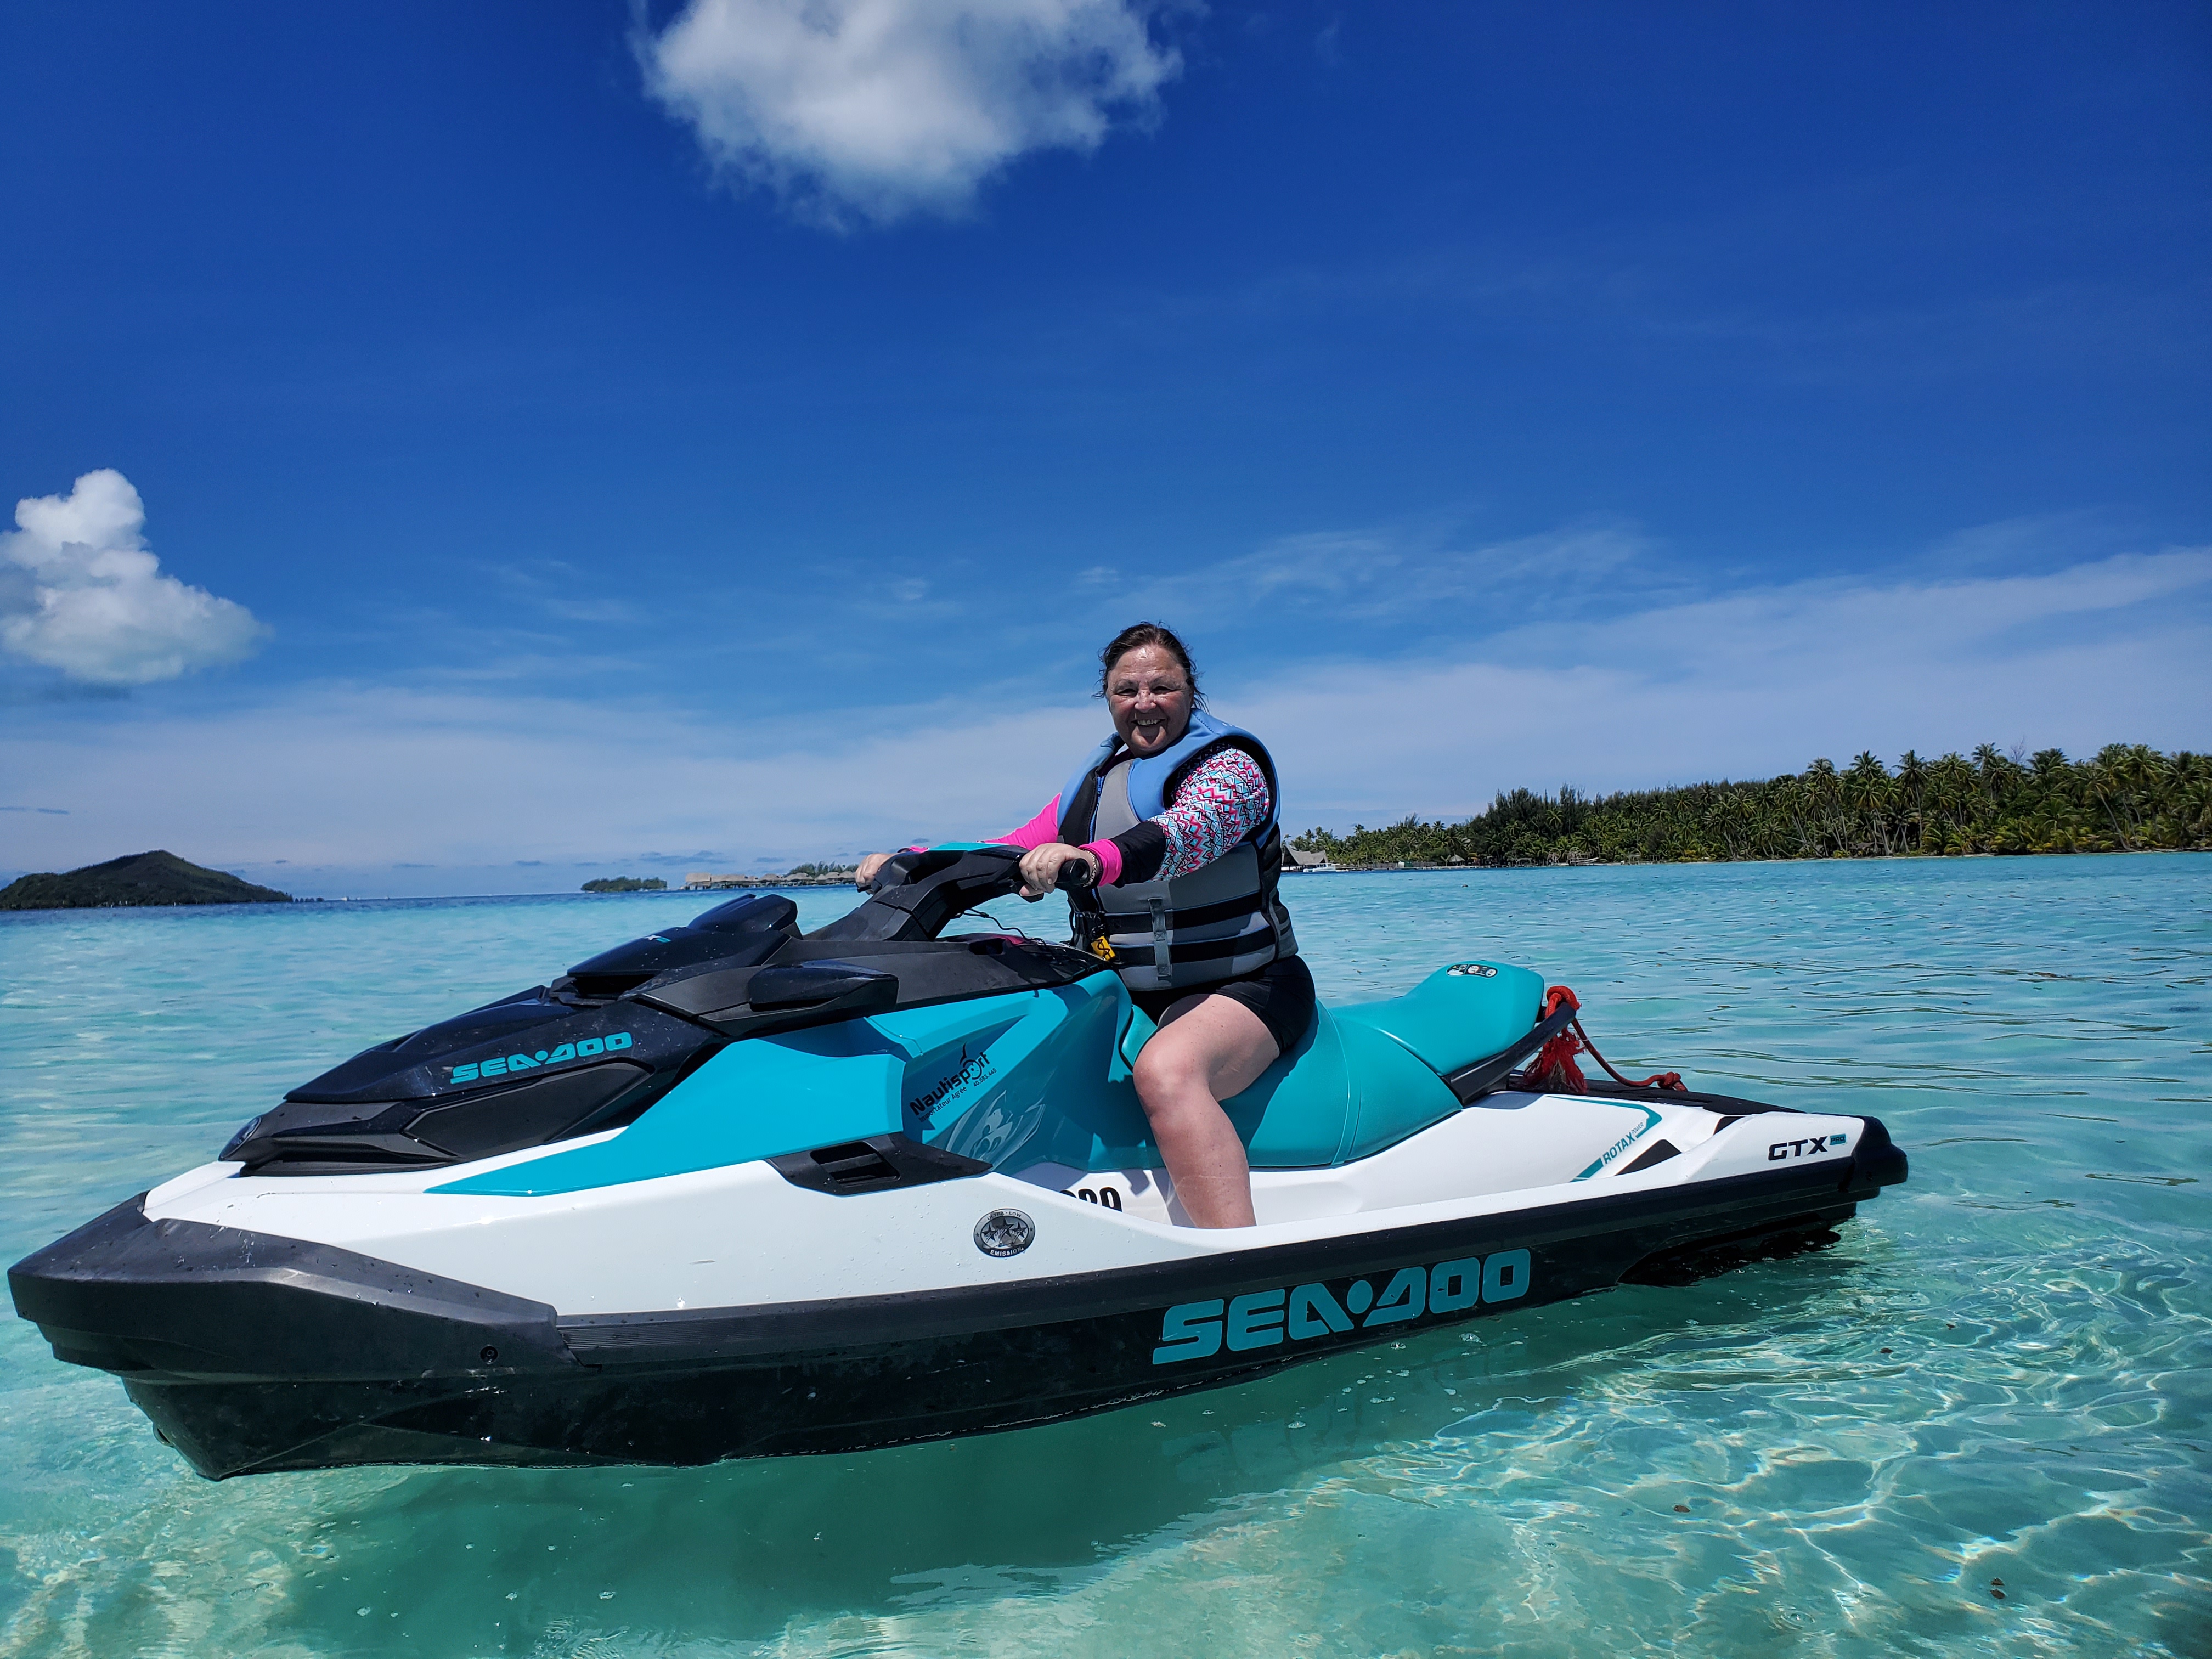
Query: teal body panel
[[1397, 1096], [1035, 1077], [1070, 1101], [1456, 1016], [759, 1098], [1295, 1115]]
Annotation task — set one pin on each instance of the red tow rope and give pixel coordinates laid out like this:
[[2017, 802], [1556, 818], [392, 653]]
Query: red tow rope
[[1554, 1070]]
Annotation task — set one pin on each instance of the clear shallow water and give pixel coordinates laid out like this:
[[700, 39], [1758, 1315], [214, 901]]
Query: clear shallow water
[[2003, 1371]]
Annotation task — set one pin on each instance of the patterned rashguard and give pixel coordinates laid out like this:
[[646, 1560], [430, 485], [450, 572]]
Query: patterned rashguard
[[1222, 800]]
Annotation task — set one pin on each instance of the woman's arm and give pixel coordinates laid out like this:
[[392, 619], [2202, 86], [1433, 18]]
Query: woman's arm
[[1044, 826], [1222, 801], [1042, 831]]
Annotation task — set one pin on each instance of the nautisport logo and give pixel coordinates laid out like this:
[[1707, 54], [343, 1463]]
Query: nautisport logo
[[560, 1056], [969, 1071], [1262, 1318]]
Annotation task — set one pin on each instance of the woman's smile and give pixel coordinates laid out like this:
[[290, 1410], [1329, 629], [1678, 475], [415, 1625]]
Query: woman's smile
[[1149, 695]]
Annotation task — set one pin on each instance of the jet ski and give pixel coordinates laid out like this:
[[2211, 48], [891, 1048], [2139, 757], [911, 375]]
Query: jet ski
[[732, 1190]]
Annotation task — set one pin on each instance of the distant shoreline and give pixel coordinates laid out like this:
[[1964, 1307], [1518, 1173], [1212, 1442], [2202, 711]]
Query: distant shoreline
[[1679, 864], [325, 905], [2127, 797]]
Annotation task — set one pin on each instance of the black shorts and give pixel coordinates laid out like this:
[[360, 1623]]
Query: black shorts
[[1281, 993]]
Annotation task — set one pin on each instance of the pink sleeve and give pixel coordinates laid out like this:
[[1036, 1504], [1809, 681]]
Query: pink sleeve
[[1045, 827], [1109, 860]]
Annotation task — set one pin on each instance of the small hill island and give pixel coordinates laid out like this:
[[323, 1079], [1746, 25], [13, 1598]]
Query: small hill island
[[141, 878]]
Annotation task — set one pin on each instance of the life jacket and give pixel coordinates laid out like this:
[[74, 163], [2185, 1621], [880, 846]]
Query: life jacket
[[1220, 921]]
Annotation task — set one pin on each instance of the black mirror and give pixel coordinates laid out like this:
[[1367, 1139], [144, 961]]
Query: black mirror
[[852, 988]]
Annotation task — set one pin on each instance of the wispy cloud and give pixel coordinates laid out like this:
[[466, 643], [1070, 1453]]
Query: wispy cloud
[[348, 777], [1757, 682], [1384, 576], [80, 591], [876, 110]]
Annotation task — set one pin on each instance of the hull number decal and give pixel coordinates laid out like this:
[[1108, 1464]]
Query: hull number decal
[[1298, 1313], [560, 1056], [1110, 1197]]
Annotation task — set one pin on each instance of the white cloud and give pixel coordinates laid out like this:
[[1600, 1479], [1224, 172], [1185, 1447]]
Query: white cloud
[[79, 592], [879, 109], [358, 778]]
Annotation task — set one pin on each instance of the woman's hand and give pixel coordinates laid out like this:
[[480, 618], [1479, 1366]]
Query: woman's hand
[[869, 866], [1041, 867]]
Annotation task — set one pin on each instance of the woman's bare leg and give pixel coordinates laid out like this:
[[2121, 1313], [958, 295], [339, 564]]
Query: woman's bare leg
[[1208, 1048]]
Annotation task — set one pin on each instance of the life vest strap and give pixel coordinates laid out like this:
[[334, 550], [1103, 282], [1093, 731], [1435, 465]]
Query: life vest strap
[[1141, 921], [1212, 950]]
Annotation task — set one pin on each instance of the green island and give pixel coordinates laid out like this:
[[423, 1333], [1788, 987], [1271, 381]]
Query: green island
[[140, 878], [2128, 798], [626, 884]]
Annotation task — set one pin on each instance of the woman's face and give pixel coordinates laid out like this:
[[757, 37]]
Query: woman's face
[[1149, 696]]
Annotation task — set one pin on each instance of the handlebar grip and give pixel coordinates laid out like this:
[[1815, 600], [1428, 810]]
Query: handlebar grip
[[1074, 873]]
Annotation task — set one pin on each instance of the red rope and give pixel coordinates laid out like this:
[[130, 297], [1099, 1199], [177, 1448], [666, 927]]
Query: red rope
[[1657, 1080], [1554, 1070]]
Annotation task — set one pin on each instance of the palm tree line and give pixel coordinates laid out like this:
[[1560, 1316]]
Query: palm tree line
[[2128, 798]]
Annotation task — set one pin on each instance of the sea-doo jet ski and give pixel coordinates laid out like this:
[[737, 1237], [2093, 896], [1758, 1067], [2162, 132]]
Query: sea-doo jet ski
[[734, 1191]]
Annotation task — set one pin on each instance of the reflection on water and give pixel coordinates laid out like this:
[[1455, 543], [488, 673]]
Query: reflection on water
[[1976, 1423]]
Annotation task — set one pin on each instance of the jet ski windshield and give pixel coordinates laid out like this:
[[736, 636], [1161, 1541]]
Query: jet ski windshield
[[504, 1018], [740, 933]]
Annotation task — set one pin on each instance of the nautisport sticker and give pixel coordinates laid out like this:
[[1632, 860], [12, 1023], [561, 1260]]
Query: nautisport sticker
[[560, 1056], [1298, 1313]]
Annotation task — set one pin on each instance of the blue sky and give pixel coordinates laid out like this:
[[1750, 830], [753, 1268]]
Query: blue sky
[[575, 443]]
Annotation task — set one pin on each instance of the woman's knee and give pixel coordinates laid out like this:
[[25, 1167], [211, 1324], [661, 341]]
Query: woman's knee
[[1167, 1074], [1155, 1074]]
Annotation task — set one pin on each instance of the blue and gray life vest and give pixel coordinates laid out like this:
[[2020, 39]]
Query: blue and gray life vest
[[1216, 923]]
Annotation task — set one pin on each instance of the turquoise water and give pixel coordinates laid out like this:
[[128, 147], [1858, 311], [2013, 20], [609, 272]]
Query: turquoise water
[[2001, 1373]]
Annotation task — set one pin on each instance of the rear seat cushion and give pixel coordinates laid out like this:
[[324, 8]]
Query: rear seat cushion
[[1457, 1014]]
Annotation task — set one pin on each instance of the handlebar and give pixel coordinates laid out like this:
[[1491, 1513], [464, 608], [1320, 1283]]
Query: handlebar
[[917, 893], [1075, 874]]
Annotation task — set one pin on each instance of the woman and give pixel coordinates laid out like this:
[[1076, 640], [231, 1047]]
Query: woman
[[1177, 815]]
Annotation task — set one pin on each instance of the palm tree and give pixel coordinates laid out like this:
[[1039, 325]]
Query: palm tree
[[1911, 786], [1867, 787]]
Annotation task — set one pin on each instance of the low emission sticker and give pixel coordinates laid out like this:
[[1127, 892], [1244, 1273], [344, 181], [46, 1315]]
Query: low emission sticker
[[1300, 1313]]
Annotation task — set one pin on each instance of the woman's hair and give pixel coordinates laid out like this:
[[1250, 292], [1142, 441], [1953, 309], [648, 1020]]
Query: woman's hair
[[1135, 637]]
